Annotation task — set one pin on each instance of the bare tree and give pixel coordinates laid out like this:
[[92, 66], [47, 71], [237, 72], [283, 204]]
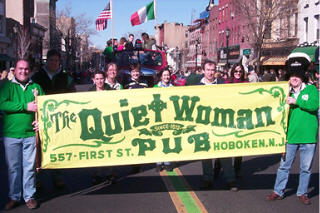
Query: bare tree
[[70, 31], [260, 16], [24, 42]]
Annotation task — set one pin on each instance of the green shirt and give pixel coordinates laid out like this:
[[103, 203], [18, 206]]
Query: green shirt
[[14, 99], [303, 121]]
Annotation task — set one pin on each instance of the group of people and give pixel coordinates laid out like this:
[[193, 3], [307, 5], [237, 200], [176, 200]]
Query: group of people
[[126, 44], [304, 104], [18, 105]]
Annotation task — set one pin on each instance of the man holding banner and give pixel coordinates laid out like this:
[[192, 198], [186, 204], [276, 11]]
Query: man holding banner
[[54, 80], [302, 134], [17, 101], [209, 69]]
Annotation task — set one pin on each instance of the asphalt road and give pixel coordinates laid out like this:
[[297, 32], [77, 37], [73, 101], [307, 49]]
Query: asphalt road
[[146, 192]]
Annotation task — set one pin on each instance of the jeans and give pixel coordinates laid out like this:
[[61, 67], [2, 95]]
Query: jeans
[[20, 157], [306, 157]]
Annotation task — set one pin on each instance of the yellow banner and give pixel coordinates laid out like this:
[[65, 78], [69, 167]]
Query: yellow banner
[[122, 127]]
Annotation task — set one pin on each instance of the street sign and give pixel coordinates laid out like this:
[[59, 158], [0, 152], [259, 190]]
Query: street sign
[[246, 51]]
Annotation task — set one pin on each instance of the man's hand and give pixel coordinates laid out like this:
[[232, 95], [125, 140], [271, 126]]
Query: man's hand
[[32, 106], [35, 125], [291, 100]]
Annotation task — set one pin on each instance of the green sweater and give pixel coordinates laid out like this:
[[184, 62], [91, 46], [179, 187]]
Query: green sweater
[[17, 121], [303, 121]]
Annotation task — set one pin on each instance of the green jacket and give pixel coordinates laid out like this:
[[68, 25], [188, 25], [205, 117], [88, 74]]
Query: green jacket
[[14, 98], [303, 121]]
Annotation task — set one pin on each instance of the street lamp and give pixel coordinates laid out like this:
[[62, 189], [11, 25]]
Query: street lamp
[[227, 36], [197, 42]]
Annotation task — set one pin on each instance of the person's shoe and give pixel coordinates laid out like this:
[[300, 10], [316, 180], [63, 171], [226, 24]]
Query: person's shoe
[[206, 184], [38, 185], [274, 196], [11, 204], [59, 184], [304, 199], [110, 179], [135, 169], [232, 186], [159, 168], [32, 204], [96, 180], [168, 168]]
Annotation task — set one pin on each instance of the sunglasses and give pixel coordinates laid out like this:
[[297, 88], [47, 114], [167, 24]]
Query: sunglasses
[[237, 71]]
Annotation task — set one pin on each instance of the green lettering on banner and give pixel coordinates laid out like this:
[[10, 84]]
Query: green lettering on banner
[[239, 144], [206, 111], [272, 142], [223, 113], [201, 142], [254, 143], [216, 146], [245, 122], [95, 132], [126, 120], [184, 108], [55, 119], [224, 145], [267, 110], [231, 145], [144, 145], [157, 105], [116, 121], [246, 144], [177, 145], [138, 114], [262, 143]]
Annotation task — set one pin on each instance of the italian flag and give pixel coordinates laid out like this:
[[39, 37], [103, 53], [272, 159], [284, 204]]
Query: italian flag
[[144, 14]]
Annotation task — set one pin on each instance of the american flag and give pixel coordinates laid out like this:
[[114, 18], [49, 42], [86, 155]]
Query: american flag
[[102, 20]]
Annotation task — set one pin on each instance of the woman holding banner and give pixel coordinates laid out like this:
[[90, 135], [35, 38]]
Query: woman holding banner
[[237, 75], [165, 77]]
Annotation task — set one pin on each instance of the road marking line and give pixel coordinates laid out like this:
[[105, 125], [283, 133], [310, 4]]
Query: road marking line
[[193, 194], [172, 192], [184, 199]]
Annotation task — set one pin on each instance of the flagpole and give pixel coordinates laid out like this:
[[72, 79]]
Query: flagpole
[[111, 4], [155, 12], [155, 18]]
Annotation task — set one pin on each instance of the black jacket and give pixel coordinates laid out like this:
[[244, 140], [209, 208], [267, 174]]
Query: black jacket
[[60, 83]]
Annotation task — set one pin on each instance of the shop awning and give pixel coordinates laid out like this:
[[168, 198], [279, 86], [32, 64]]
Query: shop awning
[[253, 62], [308, 51], [275, 61]]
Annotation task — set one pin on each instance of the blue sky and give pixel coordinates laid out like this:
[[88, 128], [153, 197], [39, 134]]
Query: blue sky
[[179, 11]]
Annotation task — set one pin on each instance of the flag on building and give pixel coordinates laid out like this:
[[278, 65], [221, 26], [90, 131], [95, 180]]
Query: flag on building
[[102, 20], [144, 14]]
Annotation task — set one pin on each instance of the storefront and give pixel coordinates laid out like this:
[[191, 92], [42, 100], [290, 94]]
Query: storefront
[[234, 56]]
